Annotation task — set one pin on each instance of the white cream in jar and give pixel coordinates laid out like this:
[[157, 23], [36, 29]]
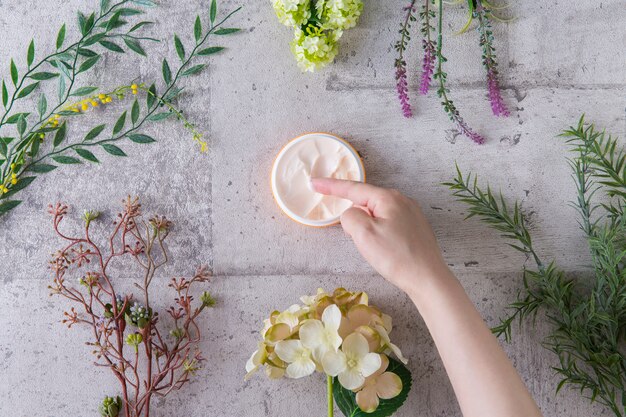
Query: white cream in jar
[[314, 155]]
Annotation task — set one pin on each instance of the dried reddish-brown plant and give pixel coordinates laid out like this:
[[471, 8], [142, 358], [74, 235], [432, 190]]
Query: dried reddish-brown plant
[[127, 336]]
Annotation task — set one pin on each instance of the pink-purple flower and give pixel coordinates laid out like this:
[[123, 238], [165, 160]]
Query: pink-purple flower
[[403, 89], [495, 97], [428, 66]]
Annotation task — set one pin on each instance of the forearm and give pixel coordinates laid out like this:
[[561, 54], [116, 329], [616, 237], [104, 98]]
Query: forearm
[[484, 380]]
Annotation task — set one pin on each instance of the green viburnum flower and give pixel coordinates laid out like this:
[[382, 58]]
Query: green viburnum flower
[[314, 49], [134, 340], [207, 299], [339, 14], [110, 406], [292, 13]]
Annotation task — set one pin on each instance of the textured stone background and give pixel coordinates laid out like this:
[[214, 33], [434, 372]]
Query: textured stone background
[[558, 59]]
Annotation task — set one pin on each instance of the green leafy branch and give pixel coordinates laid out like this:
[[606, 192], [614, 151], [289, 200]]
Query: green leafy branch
[[588, 321], [25, 156]]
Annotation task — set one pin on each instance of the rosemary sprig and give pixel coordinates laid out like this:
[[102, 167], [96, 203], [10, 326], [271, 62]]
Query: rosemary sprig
[[588, 318]]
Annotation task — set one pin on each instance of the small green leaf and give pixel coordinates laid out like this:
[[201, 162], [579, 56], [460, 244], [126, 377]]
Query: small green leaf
[[226, 31], [42, 168], [21, 184], [112, 46], [141, 138], [113, 150], [197, 29], [66, 160], [135, 46], [211, 50], [30, 55], [14, 73], [15, 118], [82, 20], [139, 25], [42, 105], [88, 63], [129, 12], [104, 6], [213, 11], [3, 149], [90, 22], [119, 125], [21, 124], [84, 91], [42, 76], [7, 206], [151, 96], [28, 89], [180, 49], [92, 40], [134, 112], [157, 117], [5, 94], [193, 70], [93, 133], [145, 3], [167, 73], [87, 155], [60, 135], [61, 37], [61, 90]]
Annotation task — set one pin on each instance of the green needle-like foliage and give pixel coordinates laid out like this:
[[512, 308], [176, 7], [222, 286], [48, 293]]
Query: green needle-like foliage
[[587, 315]]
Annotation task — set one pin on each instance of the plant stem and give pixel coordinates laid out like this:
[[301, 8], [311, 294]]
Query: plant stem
[[329, 395]]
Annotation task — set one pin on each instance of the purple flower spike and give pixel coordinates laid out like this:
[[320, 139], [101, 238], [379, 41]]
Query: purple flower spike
[[403, 89], [467, 131], [495, 97], [428, 66]]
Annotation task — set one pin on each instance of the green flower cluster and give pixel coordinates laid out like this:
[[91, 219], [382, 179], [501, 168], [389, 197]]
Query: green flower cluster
[[318, 26], [110, 406]]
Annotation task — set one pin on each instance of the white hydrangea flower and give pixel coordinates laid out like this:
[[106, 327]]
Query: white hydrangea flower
[[322, 336], [353, 363], [314, 50], [297, 356], [292, 13], [341, 14]]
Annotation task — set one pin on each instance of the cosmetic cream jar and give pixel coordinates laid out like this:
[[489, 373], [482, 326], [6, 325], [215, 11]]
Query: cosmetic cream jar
[[314, 155]]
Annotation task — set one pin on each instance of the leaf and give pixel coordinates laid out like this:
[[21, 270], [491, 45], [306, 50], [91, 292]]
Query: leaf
[[88, 63], [5, 94], [21, 184], [14, 73], [28, 89], [61, 90], [167, 73], [42, 105], [141, 138], [213, 11], [42, 76], [151, 96], [94, 39], [197, 29], [84, 91], [42, 168], [30, 55], [157, 117], [14, 119], [93, 133], [87, 155], [66, 160], [90, 22], [21, 124], [180, 49], [134, 112], [6, 206], [145, 3], [60, 135], [61, 37], [172, 94], [226, 31], [135, 46], [346, 399], [193, 70], [61, 66], [104, 6], [82, 21], [112, 46], [139, 25], [3, 149], [113, 150], [129, 12], [211, 50], [119, 125]]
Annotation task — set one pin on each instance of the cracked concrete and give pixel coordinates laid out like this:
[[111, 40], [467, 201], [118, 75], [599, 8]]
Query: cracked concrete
[[558, 60]]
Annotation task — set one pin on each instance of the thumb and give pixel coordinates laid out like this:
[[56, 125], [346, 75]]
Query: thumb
[[355, 220]]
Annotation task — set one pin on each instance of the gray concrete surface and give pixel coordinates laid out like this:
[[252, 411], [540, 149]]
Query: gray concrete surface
[[558, 59]]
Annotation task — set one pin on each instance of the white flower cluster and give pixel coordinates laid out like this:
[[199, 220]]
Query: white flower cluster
[[318, 26], [339, 334]]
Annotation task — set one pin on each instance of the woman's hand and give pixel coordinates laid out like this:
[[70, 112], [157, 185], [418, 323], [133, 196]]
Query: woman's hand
[[389, 230]]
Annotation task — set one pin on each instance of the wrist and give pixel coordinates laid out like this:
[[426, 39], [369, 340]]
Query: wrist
[[426, 286]]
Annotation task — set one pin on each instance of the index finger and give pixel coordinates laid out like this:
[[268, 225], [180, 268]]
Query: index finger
[[361, 194]]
